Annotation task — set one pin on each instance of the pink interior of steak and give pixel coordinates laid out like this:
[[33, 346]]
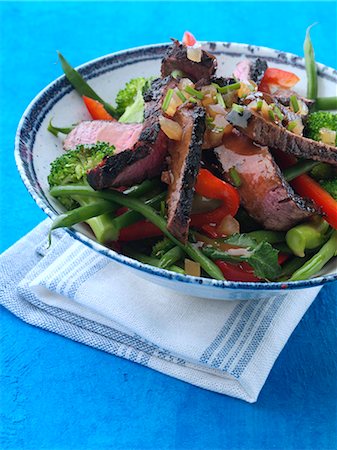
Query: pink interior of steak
[[121, 135], [264, 193]]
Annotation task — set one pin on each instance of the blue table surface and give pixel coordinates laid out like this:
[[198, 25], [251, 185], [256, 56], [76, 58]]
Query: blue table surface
[[58, 394]]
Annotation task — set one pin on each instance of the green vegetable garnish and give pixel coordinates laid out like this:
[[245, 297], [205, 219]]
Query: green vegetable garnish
[[294, 103], [167, 99], [220, 100], [233, 173], [194, 92]]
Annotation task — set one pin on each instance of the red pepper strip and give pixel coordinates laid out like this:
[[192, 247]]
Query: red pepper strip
[[138, 231], [236, 272], [307, 187], [210, 186], [96, 109], [282, 257], [188, 39], [279, 78]]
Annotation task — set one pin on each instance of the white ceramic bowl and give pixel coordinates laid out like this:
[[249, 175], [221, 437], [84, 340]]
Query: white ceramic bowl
[[36, 148]]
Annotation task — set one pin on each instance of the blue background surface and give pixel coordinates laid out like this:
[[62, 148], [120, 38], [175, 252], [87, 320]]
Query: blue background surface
[[57, 394]]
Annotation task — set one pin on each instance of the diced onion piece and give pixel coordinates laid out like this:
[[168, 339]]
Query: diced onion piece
[[296, 126], [220, 121], [182, 85], [228, 226], [327, 136], [210, 89], [173, 105], [303, 107], [214, 110], [171, 128], [265, 108], [194, 53], [209, 93], [192, 268], [245, 89]]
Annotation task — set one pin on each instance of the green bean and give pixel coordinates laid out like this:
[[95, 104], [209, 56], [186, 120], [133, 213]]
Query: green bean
[[81, 86], [81, 214], [145, 259], [171, 257], [86, 191], [318, 261], [93, 209], [307, 235], [131, 217], [272, 237], [310, 66], [56, 130], [326, 103], [149, 213], [302, 166]]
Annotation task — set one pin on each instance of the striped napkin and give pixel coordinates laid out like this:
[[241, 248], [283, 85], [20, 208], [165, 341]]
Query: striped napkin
[[227, 347]]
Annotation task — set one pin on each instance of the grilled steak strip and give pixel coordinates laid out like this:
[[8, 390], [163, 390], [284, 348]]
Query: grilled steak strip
[[121, 135], [264, 192], [267, 133], [146, 158], [184, 165], [176, 59]]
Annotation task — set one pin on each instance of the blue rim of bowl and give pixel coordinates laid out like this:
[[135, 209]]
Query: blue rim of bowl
[[105, 64]]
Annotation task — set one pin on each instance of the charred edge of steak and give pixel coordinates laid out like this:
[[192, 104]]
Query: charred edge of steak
[[257, 70], [304, 204], [271, 135], [176, 59], [101, 177], [151, 147], [179, 211], [222, 81], [155, 91], [283, 97]]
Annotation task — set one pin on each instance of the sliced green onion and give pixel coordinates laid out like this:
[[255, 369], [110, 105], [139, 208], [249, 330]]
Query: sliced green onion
[[226, 89], [235, 177], [220, 100], [194, 92], [55, 130], [167, 99], [193, 100], [292, 125], [259, 105], [181, 95], [238, 108], [271, 115], [294, 103], [277, 111]]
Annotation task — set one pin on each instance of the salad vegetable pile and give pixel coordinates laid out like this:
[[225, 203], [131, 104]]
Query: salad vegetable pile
[[231, 177]]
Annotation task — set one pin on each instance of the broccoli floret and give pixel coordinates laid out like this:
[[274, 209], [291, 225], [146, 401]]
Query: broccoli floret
[[331, 187], [318, 120], [72, 167], [130, 102]]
